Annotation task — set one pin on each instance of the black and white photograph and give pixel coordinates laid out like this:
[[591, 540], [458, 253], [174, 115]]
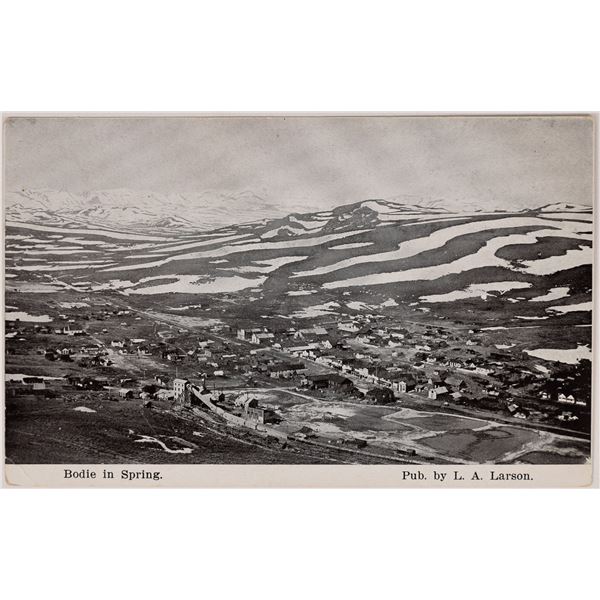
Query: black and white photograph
[[298, 300], [298, 290]]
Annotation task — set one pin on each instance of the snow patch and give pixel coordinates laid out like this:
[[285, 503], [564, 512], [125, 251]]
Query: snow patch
[[355, 305], [554, 293], [481, 290], [350, 246], [318, 310], [569, 357], [553, 264], [26, 317], [389, 302], [583, 306], [194, 284], [530, 318], [271, 264], [147, 439]]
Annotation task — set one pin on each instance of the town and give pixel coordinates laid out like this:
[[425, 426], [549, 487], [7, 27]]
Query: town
[[290, 383]]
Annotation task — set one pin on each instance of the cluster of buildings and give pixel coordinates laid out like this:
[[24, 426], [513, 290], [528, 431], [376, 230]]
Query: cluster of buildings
[[364, 351], [244, 406], [434, 362]]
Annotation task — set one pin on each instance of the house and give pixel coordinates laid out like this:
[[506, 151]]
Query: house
[[567, 416], [406, 384], [251, 410], [435, 393], [563, 399], [384, 381], [161, 379], [399, 334], [305, 350], [483, 370], [102, 361], [241, 334], [329, 381], [363, 338], [361, 371], [455, 382], [434, 380], [90, 349], [70, 330], [348, 326], [203, 355], [512, 407], [35, 384], [174, 355], [316, 330], [259, 338], [117, 344], [453, 363], [285, 370], [165, 394]]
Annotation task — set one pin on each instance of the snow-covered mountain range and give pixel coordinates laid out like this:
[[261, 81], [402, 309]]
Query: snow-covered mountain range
[[372, 251], [206, 210], [134, 209]]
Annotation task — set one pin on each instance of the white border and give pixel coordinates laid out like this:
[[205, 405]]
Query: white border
[[394, 56]]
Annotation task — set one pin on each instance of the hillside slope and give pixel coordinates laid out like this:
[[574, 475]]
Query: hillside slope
[[368, 253]]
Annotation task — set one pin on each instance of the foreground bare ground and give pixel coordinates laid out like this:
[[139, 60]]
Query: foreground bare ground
[[80, 431]]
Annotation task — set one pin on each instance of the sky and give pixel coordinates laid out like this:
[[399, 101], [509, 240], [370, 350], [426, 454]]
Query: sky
[[493, 162]]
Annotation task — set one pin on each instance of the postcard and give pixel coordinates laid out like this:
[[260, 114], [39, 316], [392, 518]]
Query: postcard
[[312, 300]]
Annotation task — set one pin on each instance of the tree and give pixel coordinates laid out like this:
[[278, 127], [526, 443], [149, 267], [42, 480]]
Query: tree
[[381, 395]]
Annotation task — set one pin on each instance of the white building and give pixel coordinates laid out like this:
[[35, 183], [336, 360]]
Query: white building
[[181, 391], [260, 338], [435, 392]]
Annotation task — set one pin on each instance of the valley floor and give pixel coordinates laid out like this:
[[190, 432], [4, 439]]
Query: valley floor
[[67, 425]]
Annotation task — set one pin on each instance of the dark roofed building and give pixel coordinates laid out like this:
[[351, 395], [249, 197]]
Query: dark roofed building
[[330, 380], [286, 370], [381, 395], [455, 382], [404, 383]]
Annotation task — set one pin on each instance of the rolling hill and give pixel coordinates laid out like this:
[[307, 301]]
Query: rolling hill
[[532, 264]]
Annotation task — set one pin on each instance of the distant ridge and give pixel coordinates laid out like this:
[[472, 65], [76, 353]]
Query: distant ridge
[[212, 210]]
